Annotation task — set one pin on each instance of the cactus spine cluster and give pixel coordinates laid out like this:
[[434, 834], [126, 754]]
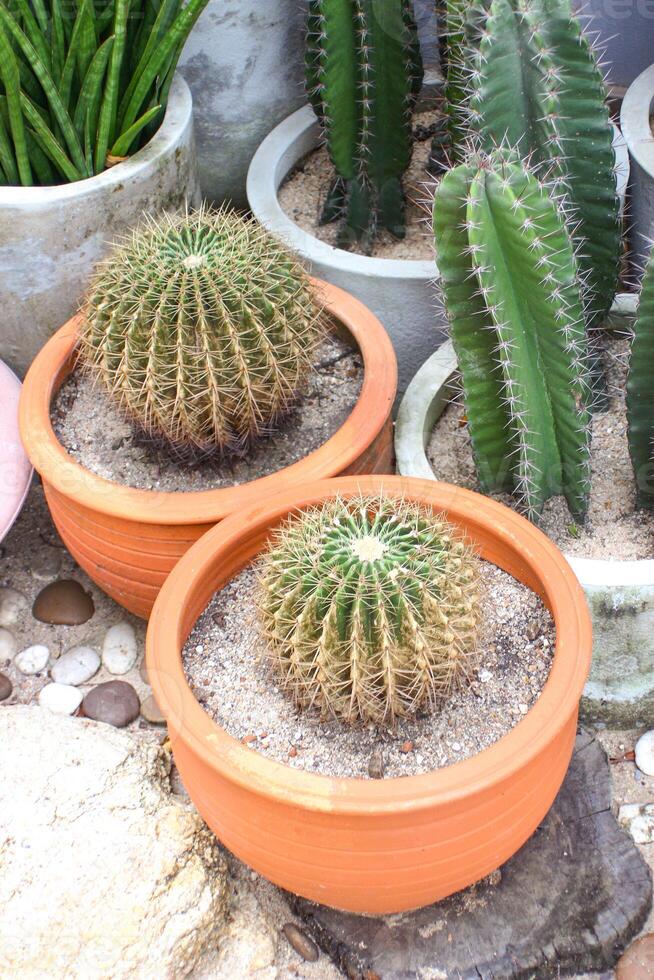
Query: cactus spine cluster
[[511, 291], [370, 606], [536, 85], [202, 328], [640, 393], [363, 75]]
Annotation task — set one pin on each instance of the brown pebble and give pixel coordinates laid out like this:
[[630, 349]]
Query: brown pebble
[[63, 603], [6, 687], [152, 712], [376, 764], [533, 630], [292, 752], [115, 703], [406, 747], [247, 739], [300, 942], [638, 962]]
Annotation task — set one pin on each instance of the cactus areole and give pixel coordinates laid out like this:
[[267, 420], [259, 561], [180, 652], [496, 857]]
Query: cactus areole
[[370, 607]]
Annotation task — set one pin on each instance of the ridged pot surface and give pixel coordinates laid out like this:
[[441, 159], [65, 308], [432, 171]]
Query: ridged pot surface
[[374, 846], [128, 540]]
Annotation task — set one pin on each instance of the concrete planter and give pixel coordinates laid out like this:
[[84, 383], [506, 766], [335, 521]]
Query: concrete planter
[[15, 468], [620, 691], [634, 122], [51, 237], [624, 31], [399, 292]]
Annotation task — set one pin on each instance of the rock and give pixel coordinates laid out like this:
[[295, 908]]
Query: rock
[[63, 603], [638, 962], [638, 819], [645, 753], [152, 712], [6, 687], [376, 764], [104, 873], [13, 605], [119, 650], [115, 703], [568, 902], [46, 563], [248, 946], [60, 699], [76, 666], [32, 660], [8, 645], [301, 943]]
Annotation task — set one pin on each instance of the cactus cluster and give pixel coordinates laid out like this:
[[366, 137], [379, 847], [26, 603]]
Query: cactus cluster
[[202, 328], [363, 75], [370, 606], [536, 86], [512, 295], [640, 393]]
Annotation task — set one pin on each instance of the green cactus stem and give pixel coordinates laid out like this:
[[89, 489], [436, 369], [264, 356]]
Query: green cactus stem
[[510, 287], [370, 607], [640, 393], [202, 328], [363, 75]]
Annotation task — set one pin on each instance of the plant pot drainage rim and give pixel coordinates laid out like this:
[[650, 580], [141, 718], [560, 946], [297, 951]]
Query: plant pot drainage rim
[[364, 423], [422, 405], [179, 112], [502, 535]]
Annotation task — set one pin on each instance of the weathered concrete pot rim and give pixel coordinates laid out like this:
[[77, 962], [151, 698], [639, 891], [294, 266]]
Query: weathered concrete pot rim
[[15, 487], [178, 115], [634, 120], [422, 405], [291, 140]]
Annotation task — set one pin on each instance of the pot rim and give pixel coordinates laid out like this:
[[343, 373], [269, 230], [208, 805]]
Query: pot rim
[[424, 401], [635, 119], [72, 480], [178, 115], [273, 160], [503, 537]]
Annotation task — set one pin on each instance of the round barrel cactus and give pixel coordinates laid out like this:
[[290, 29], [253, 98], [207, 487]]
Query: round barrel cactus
[[202, 328], [370, 607]]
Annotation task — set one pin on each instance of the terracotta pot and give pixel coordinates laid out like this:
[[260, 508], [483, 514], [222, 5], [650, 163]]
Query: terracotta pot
[[128, 540], [374, 846]]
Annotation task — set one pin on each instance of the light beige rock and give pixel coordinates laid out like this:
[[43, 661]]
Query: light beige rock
[[103, 874]]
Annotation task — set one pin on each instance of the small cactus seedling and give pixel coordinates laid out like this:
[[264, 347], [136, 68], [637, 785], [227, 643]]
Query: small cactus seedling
[[202, 328], [509, 281], [640, 392], [363, 75], [370, 607]]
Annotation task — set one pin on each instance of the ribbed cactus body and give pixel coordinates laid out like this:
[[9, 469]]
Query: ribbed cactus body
[[640, 393], [509, 281], [201, 327], [363, 74], [536, 86], [370, 607]]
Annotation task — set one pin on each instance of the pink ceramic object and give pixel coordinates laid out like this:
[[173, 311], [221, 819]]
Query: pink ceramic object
[[15, 469]]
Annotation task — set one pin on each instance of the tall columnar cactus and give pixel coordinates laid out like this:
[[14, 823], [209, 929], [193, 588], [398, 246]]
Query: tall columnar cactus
[[640, 393], [535, 85], [363, 75], [370, 607], [202, 328], [510, 286]]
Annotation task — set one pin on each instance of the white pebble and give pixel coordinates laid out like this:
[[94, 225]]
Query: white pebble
[[485, 676], [645, 753], [8, 645], [119, 650], [32, 660], [60, 699], [524, 708], [456, 746], [13, 605], [76, 666], [199, 648]]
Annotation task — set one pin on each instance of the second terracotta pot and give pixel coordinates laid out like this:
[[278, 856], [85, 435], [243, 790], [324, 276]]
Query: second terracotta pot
[[128, 540]]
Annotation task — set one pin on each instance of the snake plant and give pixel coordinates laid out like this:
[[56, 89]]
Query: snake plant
[[511, 290], [84, 84], [363, 75]]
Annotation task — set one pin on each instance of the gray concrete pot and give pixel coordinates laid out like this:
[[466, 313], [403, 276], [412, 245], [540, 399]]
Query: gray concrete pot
[[624, 31], [51, 237], [634, 122], [620, 691], [399, 291]]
